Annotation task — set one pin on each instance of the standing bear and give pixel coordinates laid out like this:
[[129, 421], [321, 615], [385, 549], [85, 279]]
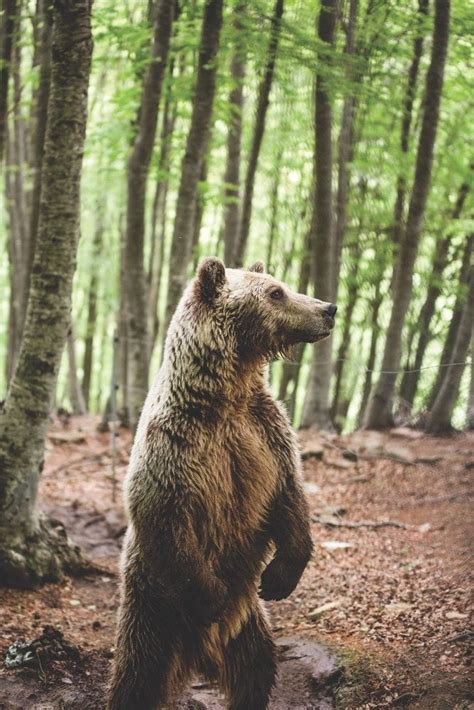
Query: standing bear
[[217, 515]]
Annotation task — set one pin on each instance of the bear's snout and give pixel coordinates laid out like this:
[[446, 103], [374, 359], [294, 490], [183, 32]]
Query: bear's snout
[[329, 314]]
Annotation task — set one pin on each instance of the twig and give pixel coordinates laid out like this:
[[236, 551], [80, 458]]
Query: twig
[[72, 463], [437, 499], [335, 523]]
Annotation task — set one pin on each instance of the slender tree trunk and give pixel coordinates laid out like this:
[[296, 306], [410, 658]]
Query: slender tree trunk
[[316, 410], [41, 112], [470, 401], [75, 392], [439, 421], [87, 365], [291, 370], [273, 212], [451, 336], [399, 208], [374, 337], [411, 378], [158, 222], [138, 337], [31, 549], [352, 294], [199, 211], [196, 148], [234, 139], [263, 101], [16, 193], [379, 413], [7, 30], [122, 368], [346, 143]]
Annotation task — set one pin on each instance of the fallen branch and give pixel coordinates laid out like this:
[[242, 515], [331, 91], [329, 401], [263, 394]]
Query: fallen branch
[[333, 522], [437, 499], [72, 463]]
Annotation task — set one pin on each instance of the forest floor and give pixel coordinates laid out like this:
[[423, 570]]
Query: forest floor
[[389, 599]]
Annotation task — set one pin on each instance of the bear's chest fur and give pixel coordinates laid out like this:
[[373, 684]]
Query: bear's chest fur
[[242, 482]]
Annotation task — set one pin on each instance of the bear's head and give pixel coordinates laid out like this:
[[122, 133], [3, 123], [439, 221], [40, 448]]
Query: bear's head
[[262, 315]]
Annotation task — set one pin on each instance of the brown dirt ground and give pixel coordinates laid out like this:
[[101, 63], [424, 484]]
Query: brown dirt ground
[[400, 618]]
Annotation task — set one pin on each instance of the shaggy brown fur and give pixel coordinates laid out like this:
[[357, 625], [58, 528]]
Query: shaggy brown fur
[[213, 491]]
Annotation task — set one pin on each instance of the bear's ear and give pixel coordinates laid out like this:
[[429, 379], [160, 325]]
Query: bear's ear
[[258, 267], [210, 278]]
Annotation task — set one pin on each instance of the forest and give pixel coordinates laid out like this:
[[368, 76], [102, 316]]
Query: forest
[[330, 139]]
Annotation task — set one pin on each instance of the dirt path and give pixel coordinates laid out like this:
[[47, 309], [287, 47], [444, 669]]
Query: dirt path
[[391, 603]]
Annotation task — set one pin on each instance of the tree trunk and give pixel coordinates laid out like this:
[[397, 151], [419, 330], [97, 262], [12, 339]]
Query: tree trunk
[[470, 401], [439, 421], [451, 336], [196, 147], [138, 337], [399, 208], [316, 410], [158, 222], [379, 413], [92, 309], [41, 112], [273, 212], [352, 293], [76, 396], [31, 549], [263, 101], [8, 24], [346, 143], [199, 211], [411, 378], [375, 332], [291, 370], [234, 138]]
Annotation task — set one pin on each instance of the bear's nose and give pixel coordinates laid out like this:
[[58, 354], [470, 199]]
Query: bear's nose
[[331, 310]]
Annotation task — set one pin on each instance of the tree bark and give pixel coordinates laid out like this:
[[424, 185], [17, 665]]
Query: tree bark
[[76, 396], [230, 231], [379, 413], [470, 401], [138, 337], [263, 102], [87, 365], [439, 421], [23, 206], [411, 378], [8, 24], [158, 221], [316, 409], [41, 112], [399, 208], [273, 211], [352, 294], [346, 142], [451, 336], [375, 333], [31, 549], [196, 147]]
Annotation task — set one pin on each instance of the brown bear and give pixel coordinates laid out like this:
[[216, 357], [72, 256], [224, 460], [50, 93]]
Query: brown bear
[[217, 515]]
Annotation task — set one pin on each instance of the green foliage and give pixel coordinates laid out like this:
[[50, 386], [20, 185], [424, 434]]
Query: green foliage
[[376, 75]]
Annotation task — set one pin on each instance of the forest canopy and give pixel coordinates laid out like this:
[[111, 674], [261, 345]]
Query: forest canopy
[[289, 132]]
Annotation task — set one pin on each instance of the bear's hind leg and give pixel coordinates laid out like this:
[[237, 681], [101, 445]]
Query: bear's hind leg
[[250, 665], [145, 664]]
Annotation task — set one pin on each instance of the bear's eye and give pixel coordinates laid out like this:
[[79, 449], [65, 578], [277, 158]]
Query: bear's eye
[[277, 294]]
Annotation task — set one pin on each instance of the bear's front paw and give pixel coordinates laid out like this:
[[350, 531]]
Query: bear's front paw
[[276, 582]]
